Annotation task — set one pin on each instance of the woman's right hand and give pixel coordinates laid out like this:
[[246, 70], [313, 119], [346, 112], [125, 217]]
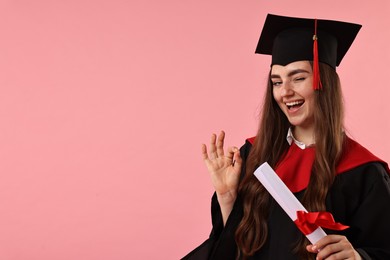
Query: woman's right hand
[[224, 169]]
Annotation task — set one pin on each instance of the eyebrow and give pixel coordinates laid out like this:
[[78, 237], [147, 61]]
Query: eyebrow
[[291, 73]]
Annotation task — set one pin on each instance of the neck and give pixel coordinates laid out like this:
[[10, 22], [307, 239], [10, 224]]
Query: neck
[[304, 135]]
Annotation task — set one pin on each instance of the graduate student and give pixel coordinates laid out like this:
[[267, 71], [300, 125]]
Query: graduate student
[[301, 135]]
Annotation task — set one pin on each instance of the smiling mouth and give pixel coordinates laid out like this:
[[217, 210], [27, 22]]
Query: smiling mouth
[[294, 104]]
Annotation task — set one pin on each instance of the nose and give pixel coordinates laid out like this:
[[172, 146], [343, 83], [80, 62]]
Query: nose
[[286, 90]]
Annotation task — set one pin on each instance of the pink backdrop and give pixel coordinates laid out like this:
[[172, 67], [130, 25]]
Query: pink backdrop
[[104, 106]]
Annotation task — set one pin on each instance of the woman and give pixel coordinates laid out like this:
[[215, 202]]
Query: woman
[[301, 136]]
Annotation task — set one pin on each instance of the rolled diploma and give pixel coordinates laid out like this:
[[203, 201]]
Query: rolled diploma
[[284, 197]]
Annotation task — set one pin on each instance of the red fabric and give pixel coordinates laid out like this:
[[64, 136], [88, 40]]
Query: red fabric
[[295, 168], [251, 140], [316, 66], [355, 155], [307, 222]]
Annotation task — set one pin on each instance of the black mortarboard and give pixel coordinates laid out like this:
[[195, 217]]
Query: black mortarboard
[[290, 39]]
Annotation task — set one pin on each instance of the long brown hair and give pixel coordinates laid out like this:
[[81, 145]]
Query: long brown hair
[[270, 145]]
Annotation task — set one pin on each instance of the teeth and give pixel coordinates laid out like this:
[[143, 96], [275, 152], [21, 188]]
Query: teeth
[[294, 103]]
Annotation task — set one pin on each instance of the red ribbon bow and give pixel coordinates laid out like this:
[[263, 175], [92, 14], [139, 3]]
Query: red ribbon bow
[[307, 222]]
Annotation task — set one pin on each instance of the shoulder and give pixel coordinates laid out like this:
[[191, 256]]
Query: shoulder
[[355, 155], [358, 190], [364, 178], [377, 170]]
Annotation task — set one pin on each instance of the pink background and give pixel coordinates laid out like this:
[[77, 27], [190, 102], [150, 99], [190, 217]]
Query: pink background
[[104, 106]]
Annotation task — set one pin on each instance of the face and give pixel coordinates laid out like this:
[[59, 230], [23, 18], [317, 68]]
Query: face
[[293, 91]]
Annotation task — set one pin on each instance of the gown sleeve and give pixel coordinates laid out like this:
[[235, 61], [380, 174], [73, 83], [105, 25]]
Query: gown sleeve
[[221, 236], [361, 199]]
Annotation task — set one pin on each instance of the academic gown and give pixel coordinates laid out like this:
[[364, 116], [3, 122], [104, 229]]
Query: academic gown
[[358, 198]]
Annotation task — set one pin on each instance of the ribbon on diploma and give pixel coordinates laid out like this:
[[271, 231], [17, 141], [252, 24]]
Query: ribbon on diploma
[[307, 222]]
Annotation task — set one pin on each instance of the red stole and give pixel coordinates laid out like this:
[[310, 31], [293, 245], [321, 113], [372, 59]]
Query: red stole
[[295, 168]]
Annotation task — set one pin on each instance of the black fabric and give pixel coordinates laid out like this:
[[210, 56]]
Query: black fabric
[[290, 39], [359, 198], [202, 251]]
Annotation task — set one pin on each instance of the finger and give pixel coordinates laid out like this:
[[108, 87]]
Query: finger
[[213, 150], [237, 160], [309, 248], [230, 152], [337, 255], [233, 153], [329, 239], [332, 245], [205, 156], [220, 143], [333, 250]]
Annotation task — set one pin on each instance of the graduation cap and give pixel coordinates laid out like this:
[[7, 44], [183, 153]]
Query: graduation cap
[[290, 39]]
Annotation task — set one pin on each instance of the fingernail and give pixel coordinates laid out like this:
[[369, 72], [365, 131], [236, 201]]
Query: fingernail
[[314, 248]]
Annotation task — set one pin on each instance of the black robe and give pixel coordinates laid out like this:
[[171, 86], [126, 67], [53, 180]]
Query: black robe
[[359, 198]]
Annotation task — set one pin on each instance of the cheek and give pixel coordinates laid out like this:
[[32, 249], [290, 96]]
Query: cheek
[[278, 98], [308, 94], [312, 103], [276, 94]]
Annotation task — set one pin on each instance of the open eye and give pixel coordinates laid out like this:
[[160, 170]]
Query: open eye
[[276, 83]]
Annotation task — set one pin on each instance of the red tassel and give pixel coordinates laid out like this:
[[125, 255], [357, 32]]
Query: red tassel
[[316, 66]]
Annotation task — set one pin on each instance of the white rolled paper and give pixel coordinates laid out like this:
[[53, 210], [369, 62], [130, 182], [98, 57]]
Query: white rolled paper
[[284, 197]]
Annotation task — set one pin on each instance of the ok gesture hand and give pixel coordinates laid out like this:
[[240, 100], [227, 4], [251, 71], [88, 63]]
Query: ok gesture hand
[[224, 171]]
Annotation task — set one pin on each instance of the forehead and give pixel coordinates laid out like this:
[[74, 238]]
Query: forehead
[[293, 66]]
